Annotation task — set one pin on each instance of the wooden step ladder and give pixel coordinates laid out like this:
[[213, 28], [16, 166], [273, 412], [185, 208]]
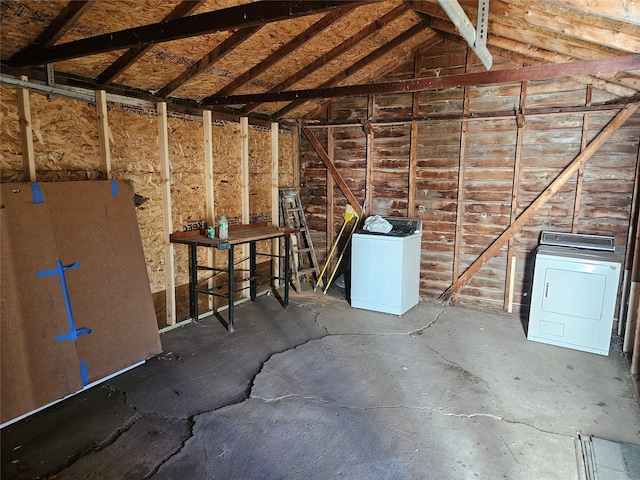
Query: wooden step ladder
[[304, 262]]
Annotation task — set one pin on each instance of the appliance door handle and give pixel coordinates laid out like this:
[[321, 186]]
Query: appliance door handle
[[546, 290]]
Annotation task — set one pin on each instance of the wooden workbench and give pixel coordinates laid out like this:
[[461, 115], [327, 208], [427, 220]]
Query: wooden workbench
[[238, 235]]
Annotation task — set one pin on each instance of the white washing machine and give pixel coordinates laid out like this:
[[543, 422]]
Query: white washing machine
[[385, 268], [574, 297]]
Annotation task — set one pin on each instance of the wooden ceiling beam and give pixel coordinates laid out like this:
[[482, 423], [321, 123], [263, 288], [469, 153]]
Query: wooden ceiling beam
[[360, 64], [433, 41], [286, 49], [536, 72], [623, 10], [66, 19], [222, 49], [571, 21], [335, 52], [247, 15], [519, 38], [527, 55], [133, 54], [518, 28]]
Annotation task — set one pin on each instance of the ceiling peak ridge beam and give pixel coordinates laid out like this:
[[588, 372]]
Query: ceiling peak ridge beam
[[536, 72], [349, 43], [129, 57], [247, 15], [475, 37]]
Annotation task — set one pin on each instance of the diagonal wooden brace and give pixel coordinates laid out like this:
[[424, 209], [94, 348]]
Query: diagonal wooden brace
[[550, 191], [332, 169]]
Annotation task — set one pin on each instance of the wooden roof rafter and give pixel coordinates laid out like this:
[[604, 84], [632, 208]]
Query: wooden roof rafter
[[435, 40], [315, 29], [247, 15], [227, 46], [133, 54], [66, 19], [333, 53], [518, 29], [359, 65], [508, 34]]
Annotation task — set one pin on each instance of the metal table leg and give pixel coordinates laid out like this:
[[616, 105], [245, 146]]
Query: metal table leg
[[287, 247], [231, 289], [253, 289], [193, 282]]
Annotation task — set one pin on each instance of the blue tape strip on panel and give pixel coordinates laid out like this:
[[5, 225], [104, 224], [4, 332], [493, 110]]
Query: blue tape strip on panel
[[60, 272], [83, 373], [114, 188], [36, 193]]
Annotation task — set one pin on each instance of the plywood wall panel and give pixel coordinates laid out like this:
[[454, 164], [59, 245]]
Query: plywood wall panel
[[134, 157], [64, 141], [11, 169]]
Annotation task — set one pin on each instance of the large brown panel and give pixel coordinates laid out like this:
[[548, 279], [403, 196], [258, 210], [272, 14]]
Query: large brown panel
[[92, 227], [36, 369]]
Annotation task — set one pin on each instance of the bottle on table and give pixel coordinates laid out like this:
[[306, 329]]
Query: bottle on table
[[223, 227]]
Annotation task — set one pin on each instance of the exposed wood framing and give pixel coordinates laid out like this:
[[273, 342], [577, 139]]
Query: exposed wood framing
[[631, 333], [129, 57], [359, 65], [26, 134], [209, 192], [66, 19], [285, 50], [332, 169], [512, 277], [275, 200], [103, 133], [482, 116], [334, 53], [511, 259], [413, 147], [330, 182], [633, 318], [167, 220], [227, 46], [531, 210], [536, 72], [251, 14], [516, 51], [461, 173], [369, 186], [629, 250], [579, 179], [246, 212], [295, 140]]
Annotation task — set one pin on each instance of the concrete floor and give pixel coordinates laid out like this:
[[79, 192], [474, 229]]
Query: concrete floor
[[325, 391]]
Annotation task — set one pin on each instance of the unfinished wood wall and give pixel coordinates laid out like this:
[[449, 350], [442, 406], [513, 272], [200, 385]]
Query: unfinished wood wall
[[467, 177], [66, 147]]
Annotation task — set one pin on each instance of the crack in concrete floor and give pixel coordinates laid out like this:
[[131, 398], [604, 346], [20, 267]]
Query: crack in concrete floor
[[191, 421]]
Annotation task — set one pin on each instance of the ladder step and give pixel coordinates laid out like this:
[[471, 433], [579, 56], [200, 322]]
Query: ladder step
[[293, 216]]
